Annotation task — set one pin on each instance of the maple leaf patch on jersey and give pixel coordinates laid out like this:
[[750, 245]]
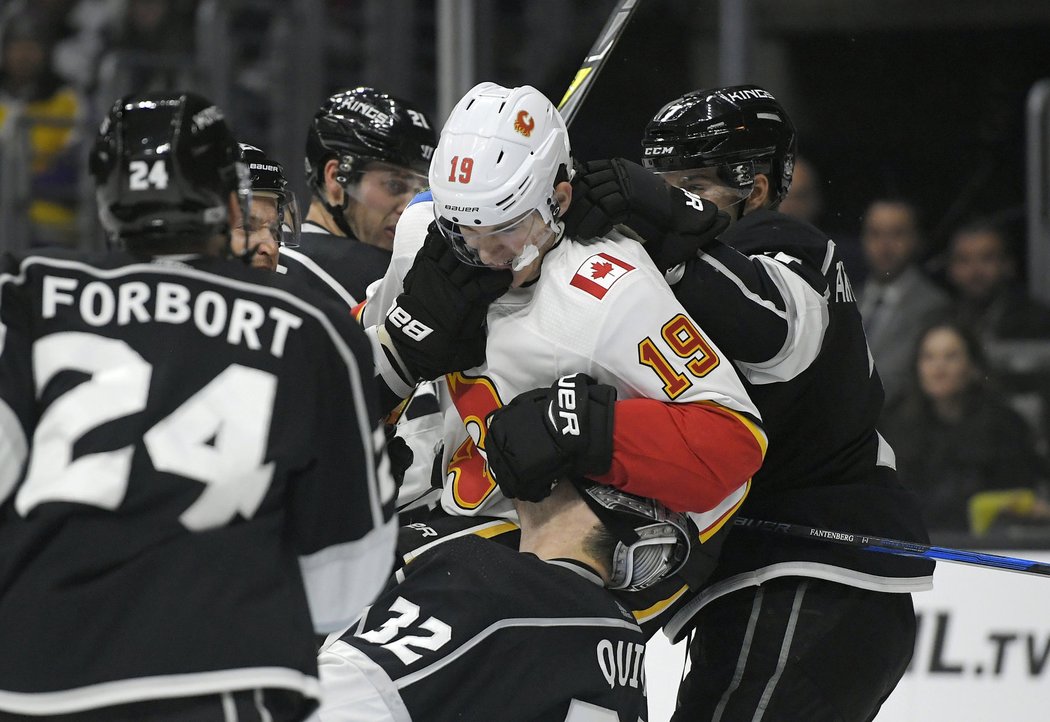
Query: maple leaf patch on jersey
[[598, 273]]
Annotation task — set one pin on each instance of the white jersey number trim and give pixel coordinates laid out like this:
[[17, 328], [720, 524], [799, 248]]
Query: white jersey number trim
[[232, 412], [408, 613]]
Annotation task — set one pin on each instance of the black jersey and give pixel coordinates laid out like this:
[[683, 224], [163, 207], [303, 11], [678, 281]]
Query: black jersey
[[777, 300], [478, 631], [190, 480], [341, 267]]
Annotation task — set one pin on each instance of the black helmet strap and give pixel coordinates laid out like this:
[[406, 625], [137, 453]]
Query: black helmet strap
[[342, 177]]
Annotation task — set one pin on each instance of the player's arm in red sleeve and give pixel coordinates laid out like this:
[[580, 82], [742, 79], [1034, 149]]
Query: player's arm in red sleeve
[[691, 457]]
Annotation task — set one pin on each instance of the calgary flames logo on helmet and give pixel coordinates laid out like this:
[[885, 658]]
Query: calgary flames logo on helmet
[[524, 123]]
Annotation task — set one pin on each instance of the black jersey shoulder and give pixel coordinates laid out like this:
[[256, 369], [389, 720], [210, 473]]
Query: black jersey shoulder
[[351, 263], [766, 231]]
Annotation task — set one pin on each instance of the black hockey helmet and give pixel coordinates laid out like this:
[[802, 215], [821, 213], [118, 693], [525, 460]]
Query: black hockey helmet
[[740, 130], [653, 542], [164, 165], [266, 174], [268, 179], [364, 125]]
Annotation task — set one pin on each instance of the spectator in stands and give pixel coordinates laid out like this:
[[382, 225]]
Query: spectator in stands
[[36, 106], [898, 300], [148, 48], [953, 437], [51, 14], [989, 298]]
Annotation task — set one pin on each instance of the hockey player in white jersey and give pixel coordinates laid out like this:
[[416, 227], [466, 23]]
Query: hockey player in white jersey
[[686, 432]]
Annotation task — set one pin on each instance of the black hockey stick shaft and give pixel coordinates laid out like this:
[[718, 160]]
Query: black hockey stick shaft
[[595, 59], [900, 548]]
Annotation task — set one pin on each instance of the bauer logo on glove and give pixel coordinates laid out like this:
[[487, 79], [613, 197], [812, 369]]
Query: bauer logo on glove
[[549, 434]]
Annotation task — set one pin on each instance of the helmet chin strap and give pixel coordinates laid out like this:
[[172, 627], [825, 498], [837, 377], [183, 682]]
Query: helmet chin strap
[[531, 251], [338, 214]]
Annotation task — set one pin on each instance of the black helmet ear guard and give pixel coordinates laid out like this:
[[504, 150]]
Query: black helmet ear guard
[[740, 130], [164, 165], [653, 542]]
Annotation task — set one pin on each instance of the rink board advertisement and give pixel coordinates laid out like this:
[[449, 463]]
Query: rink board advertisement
[[982, 653]]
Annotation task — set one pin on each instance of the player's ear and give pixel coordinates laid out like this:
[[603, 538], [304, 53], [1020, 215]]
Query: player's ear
[[331, 185], [563, 196], [759, 197]]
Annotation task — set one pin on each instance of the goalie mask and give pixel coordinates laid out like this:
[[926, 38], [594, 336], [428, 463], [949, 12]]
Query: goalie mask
[[735, 132], [653, 542], [500, 155]]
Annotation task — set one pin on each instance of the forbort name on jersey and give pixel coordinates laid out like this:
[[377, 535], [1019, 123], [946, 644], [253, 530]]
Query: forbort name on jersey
[[101, 304]]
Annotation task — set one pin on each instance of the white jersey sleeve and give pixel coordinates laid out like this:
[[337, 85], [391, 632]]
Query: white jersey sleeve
[[409, 235]]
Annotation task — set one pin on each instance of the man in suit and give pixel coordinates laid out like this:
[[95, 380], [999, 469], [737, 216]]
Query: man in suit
[[898, 299]]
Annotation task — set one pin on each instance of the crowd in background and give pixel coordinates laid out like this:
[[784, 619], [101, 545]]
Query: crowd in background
[[960, 347]]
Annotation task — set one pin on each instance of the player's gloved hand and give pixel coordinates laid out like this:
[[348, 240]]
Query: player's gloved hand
[[673, 224], [437, 325], [549, 434], [400, 455]]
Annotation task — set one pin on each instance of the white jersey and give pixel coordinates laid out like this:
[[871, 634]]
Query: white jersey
[[601, 308]]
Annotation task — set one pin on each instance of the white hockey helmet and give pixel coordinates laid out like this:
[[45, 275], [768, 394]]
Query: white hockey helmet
[[499, 156]]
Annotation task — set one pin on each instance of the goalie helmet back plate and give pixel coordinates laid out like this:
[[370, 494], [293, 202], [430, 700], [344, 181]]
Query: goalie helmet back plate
[[724, 128], [653, 542]]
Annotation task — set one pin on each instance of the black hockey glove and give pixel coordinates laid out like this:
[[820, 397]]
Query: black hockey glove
[[437, 325], [549, 434], [673, 224]]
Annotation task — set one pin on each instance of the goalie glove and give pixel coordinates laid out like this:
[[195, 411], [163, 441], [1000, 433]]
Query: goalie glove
[[673, 224], [549, 434], [437, 325]]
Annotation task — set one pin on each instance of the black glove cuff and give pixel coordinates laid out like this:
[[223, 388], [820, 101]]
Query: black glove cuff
[[596, 458]]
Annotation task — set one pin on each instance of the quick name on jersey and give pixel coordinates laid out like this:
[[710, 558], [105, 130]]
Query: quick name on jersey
[[101, 304]]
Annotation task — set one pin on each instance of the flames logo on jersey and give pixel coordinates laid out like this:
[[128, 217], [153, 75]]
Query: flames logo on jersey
[[468, 472], [524, 123]]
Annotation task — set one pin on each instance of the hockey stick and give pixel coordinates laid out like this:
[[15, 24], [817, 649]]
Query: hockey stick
[[595, 59], [899, 548]]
